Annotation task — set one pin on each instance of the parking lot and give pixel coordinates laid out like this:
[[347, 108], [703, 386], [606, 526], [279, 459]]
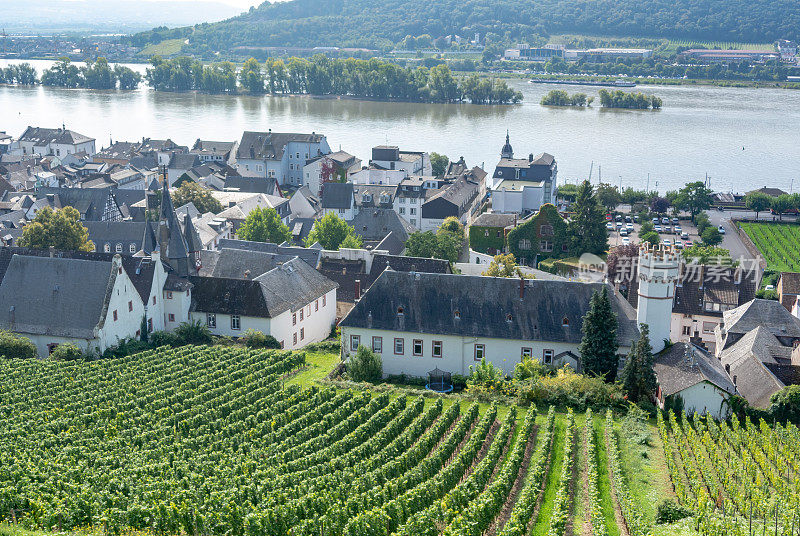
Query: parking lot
[[627, 227]]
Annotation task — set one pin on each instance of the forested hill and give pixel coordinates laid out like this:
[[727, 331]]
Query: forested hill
[[382, 23]]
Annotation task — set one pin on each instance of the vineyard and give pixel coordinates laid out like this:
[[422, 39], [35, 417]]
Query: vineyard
[[778, 243], [212, 440]]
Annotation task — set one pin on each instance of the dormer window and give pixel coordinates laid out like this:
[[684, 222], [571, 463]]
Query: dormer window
[[399, 311], [457, 315], [565, 322], [509, 318]]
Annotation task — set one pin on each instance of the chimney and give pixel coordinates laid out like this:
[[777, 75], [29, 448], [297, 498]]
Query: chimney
[[521, 288], [11, 314], [357, 293], [530, 157], [52, 251], [247, 274]]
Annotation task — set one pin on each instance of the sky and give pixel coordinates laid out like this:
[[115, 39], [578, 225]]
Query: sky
[[244, 5]]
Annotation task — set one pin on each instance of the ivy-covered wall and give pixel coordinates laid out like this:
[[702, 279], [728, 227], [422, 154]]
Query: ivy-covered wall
[[489, 240], [544, 233]]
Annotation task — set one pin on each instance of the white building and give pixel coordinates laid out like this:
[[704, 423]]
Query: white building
[[419, 321], [342, 164], [523, 184], [281, 156], [696, 377], [90, 303], [54, 141], [390, 157], [292, 302], [339, 198], [373, 175]]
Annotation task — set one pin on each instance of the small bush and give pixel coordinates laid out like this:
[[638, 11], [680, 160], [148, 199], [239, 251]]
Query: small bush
[[365, 366], [126, 347], [13, 346], [163, 338], [66, 351], [256, 339], [193, 333], [669, 512], [324, 346]]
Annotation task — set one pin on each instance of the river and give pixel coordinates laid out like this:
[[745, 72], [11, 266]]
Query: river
[[742, 138]]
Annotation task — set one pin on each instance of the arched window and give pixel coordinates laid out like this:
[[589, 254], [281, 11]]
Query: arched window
[[132, 248], [107, 248], [119, 248], [565, 322], [399, 311], [509, 318], [546, 230], [457, 314]]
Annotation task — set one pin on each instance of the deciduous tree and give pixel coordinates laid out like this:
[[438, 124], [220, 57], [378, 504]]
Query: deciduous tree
[[757, 202], [264, 225], [61, 229], [332, 232], [197, 195], [694, 198]]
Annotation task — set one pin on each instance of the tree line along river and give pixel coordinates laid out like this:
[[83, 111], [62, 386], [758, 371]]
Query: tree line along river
[[742, 138]]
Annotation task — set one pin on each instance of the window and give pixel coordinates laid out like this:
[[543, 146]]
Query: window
[[236, 322], [412, 211], [316, 306], [402, 210], [294, 339], [417, 349], [687, 330], [377, 344], [298, 156], [436, 351], [118, 248], [154, 300], [149, 325], [171, 317], [708, 327], [324, 300], [480, 351], [355, 341], [308, 310], [107, 248], [211, 320], [302, 333], [130, 306], [545, 245], [294, 319], [457, 315], [565, 322], [527, 352], [525, 244], [301, 315], [169, 295], [402, 200], [398, 347], [132, 248], [291, 167], [486, 233], [115, 315], [399, 311], [546, 230], [509, 318], [413, 221], [547, 357]]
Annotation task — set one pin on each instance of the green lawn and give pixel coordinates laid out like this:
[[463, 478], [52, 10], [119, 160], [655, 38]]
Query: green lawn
[[319, 364], [542, 524]]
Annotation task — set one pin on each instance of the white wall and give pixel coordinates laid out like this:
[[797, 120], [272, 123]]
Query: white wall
[[458, 352], [177, 305], [390, 177], [695, 323], [346, 214], [705, 397], [128, 322], [516, 201]]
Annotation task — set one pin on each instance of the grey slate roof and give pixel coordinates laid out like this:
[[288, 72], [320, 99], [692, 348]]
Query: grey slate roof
[[391, 243], [90, 202], [126, 233], [338, 195], [184, 161], [308, 255], [769, 313], [271, 145], [287, 287], [490, 219], [239, 263], [747, 361], [683, 365], [44, 136], [61, 297], [429, 301], [255, 185], [373, 224]]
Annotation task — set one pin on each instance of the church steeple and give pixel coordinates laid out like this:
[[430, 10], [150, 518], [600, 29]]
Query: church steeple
[[172, 244], [508, 151]]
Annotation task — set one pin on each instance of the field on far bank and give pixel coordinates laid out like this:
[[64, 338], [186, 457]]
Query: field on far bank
[[778, 243]]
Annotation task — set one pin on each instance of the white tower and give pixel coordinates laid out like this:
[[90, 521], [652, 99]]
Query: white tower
[[658, 275]]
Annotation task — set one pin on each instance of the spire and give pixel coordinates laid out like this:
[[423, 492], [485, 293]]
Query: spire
[[149, 242], [508, 151], [172, 244], [191, 235]]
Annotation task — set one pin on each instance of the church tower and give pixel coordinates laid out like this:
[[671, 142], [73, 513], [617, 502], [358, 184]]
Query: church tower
[[508, 151], [658, 276]]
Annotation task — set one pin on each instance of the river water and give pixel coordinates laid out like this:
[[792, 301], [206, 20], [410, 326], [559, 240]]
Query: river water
[[741, 138]]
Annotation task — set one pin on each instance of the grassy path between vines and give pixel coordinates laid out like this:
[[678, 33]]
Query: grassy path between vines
[[604, 480], [542, 525]]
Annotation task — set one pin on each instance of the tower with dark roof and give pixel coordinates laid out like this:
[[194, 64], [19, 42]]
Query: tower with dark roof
[[194, 244], [507, 151], [171, 241]]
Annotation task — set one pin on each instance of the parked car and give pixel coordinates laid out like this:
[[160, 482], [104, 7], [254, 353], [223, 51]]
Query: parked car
[[721, 229], [657, 228], [623, 232], [629, 226], [619, 224], [685, 235], [635, 218], [688, 243], [608, 217], [665, 220], [618, 217], [610, 226], [655, 221], [678, 229], [678, 244], [675, 221], [667, 229], [667, 242], [628, 219], [769, 287], [626, 241]]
